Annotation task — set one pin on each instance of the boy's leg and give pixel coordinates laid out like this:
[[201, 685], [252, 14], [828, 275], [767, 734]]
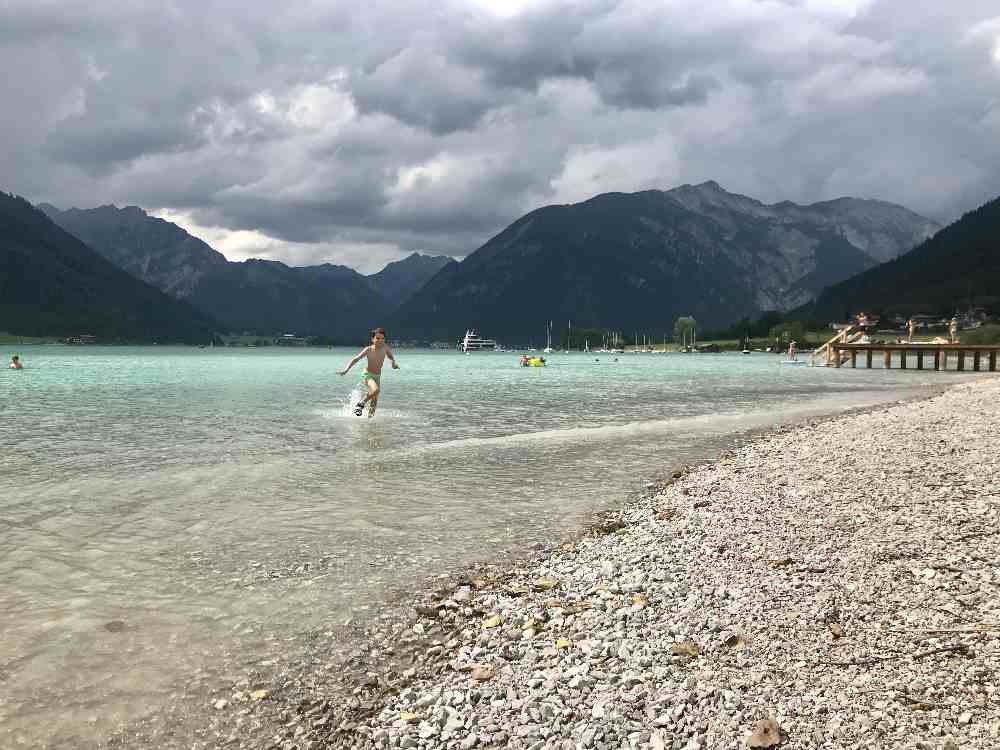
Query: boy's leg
[[373, 393]]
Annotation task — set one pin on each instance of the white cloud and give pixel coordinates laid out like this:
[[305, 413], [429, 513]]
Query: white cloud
[[502, 8], [239, 245], [650, 164]]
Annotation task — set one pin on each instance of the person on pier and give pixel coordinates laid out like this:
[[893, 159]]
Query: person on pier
[[953, 331], [911, 328], [861, 321]]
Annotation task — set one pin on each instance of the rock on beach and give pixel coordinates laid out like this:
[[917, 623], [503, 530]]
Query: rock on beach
[[836, 584]]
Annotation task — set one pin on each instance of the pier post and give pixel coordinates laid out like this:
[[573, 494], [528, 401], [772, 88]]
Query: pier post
[[902, 359], [937, 359], [836, 357], [961, 360], [854, 357], [944, 359], [920, 359], [993, 361], [976, 360], [868, 357], [888, 359]]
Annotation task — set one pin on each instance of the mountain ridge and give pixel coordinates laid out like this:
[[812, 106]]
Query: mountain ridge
[[401, 279], [639, 260], [262, 295], [958, 265], [53, 284], [152, 249]]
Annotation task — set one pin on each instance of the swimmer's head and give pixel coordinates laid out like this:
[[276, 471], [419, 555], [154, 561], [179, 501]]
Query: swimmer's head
[[378, 335]]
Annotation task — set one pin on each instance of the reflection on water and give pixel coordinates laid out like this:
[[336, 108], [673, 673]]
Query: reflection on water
[[168, 515]]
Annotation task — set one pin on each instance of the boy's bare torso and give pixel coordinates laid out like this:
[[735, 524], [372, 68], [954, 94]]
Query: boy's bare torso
[[376, 358]]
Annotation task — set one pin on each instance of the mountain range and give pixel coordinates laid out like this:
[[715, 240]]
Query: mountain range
[[637, 261], [628, 261], [957, 267], [262, 296], [51, 283]]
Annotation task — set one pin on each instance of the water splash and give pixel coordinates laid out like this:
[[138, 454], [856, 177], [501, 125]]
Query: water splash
[[347, 407]]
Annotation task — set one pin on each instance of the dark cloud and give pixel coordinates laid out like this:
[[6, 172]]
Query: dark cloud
[[99, 147], [422, 88], [362, 131]]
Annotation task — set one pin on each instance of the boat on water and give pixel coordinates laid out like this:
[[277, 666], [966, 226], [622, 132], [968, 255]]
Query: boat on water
[[472, 342], [548, 339]]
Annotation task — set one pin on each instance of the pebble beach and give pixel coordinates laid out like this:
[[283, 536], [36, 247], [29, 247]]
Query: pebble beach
[[830, 584]]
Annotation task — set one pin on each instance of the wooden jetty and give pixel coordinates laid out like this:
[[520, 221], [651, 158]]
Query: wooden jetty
[[848, 344], [978, 355]]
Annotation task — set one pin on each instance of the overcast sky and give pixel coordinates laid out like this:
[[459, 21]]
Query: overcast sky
[[358, 132]]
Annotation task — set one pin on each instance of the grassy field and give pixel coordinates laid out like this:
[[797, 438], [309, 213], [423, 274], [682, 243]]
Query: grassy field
[[7, 339], [812, 340]]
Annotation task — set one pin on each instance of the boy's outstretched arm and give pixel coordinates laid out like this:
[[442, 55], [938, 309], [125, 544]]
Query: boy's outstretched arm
[[354, 361], [391, 356]]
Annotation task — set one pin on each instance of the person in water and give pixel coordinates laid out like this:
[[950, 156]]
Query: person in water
[[376, 354], [15, 363], [793, 352]]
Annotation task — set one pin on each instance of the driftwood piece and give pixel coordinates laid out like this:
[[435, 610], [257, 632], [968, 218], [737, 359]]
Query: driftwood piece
[[955, 647]]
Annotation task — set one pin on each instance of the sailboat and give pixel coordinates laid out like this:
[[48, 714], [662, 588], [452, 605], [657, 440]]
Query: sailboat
[[746, 345], [693, 346], [548, 339]]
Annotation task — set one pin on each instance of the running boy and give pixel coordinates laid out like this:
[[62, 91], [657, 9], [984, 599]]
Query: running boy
[[376, 354]]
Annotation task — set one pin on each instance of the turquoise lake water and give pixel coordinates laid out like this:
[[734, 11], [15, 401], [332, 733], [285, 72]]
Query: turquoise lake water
[[172, 516]]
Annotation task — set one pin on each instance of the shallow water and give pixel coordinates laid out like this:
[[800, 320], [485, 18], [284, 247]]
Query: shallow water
[[170, 515]]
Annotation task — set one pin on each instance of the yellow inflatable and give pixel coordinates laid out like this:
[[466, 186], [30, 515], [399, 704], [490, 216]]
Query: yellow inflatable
[[532, 361]]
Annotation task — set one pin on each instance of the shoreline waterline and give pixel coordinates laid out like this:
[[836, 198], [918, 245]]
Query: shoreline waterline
[[315, 675]]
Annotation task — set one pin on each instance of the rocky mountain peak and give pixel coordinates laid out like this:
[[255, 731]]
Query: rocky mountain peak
[[156, 251], [638, 260], [401, 279]]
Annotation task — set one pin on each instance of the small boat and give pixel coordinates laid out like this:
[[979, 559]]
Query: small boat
[[746, 346]]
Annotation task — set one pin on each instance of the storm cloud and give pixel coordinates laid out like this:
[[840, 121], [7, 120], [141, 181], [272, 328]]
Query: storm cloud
[[357, 133]]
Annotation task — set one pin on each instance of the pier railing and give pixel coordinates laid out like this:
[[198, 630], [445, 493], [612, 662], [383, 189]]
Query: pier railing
[[847, 335]]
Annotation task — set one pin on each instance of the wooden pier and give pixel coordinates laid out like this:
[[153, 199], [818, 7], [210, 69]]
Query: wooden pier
[[980, 357]]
